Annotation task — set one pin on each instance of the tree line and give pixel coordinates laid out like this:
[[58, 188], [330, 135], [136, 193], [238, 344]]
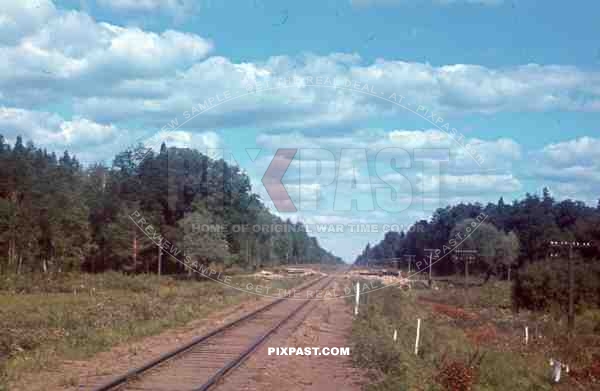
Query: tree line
[[56, 215], [511, 236]]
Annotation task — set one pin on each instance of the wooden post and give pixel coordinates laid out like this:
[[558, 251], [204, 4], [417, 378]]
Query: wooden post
[[159, 260], [466, 254], [418, 335], [135, 247], [395, 335], [431, 251], [357, 298], [571, 271], [430, 281], [466, 281], [526, 335], [556, 369], [571, 317]]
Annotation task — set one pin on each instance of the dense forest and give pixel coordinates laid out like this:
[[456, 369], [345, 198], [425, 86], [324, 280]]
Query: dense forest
[[56, 215], [511, 235]]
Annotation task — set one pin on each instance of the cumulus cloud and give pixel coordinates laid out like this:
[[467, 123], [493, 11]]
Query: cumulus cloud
[[176, 8], [473, 184], [90, 141], [582, 151], [412, 184], [561, 170], [585, 191], [140, 5], [571, 168], [499, 154], [444, 90], [110, 73], [203, 141], [68, 54], [94, 142], [20, 18], [53, 129]]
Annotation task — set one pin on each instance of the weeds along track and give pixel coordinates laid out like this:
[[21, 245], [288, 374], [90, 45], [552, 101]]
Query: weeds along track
[[202, 362]]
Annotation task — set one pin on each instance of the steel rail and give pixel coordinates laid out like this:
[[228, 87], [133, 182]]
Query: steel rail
[[244, 355], [135, 372]]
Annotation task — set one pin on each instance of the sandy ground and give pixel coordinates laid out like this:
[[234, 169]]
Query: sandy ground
[[324, 324]]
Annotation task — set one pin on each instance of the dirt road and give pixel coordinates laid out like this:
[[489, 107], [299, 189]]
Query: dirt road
[[327, 325]]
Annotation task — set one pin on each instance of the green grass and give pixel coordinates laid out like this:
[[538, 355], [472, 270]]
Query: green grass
[[47, 319], [448, 344]]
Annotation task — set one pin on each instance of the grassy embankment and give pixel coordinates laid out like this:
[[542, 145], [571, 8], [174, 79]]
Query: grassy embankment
[[475, 347], [45, 320]]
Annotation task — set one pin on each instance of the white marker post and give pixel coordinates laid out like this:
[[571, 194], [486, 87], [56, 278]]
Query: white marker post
[[418, 335], [556, 369], [357, 298], [395, 335], [526, 335]]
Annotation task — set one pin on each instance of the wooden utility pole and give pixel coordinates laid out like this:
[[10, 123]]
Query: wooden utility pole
[[571, 271], [571, 317], [410, 259], [247, 253], [431, 251], [392, 261], [135, 248], [467, 255], [159, 260]]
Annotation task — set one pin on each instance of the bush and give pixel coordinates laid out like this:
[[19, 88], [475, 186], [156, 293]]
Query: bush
[[544, 285], [35, 283]]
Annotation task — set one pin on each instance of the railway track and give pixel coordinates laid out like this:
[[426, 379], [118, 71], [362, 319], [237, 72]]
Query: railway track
[[201, 363]]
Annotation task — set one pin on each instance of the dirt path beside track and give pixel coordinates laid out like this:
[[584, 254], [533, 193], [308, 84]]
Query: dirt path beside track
[[328, 324]]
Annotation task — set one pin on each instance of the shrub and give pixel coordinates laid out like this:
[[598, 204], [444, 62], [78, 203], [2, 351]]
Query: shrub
[[456, 376], [544, 285]]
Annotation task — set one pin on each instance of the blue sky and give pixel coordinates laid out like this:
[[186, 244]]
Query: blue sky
[[519, 82]]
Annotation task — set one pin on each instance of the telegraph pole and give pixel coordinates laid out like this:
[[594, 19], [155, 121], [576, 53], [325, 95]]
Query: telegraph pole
[[571, 271], [394, 261], [410, 259], [469, 255], [431, 251]]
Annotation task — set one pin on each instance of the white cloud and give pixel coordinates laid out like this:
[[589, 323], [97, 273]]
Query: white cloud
[[177, 138], [443, 90], [72, 55], [581, 151], [498, 155], [569, 161], [23, 17], [570, 167], [53, 129], [90, 141], [473, 184], [177, 8], [475, 88], [581, 191], [461, 179], [571, 173], [110, 73], [460, 182]]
